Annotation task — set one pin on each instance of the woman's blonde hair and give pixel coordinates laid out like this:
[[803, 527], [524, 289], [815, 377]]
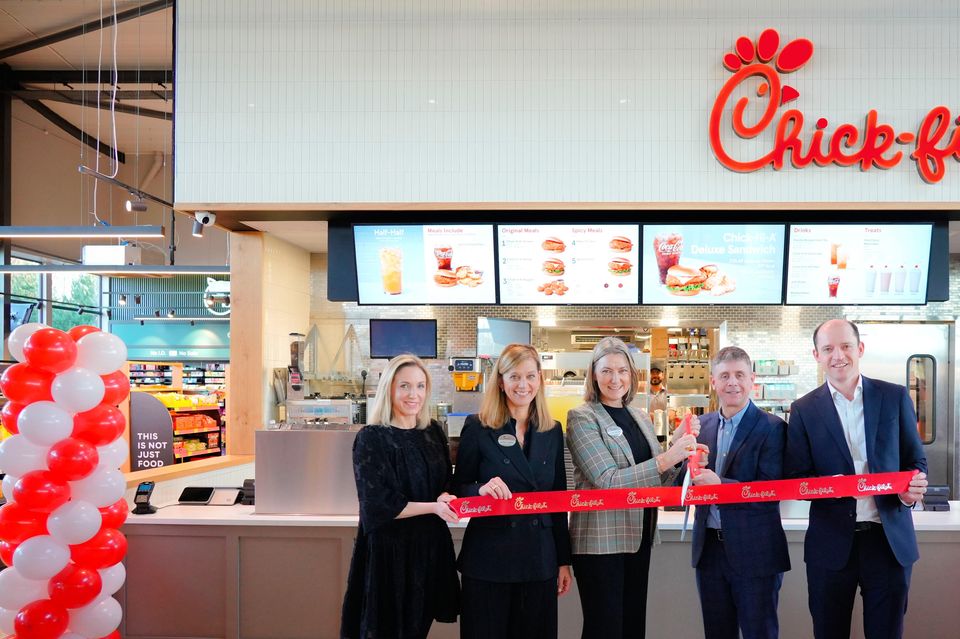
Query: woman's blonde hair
[[382, 412], [609, 346], [494, 410]]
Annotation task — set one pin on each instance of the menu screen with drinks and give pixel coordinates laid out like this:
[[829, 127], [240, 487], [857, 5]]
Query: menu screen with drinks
[[713, 264], [581, 264], [858, 264], [425, 264]]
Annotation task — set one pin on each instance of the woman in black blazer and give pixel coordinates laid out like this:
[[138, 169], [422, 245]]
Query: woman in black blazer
[[513, 567]]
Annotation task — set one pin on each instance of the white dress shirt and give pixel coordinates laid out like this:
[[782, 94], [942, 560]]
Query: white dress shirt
[[851, 417]]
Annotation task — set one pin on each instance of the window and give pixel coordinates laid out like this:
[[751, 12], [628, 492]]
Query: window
[[921, 375], [76, 300]]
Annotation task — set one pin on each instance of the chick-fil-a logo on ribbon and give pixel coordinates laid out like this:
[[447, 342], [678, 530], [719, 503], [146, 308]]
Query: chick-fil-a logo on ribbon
[[869, 145]]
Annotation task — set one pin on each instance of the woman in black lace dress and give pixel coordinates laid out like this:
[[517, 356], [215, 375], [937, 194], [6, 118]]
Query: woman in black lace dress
[[402, 575]]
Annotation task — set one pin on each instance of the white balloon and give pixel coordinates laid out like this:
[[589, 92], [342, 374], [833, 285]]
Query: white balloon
[[77, 390], [97, 619], [6, 620], [112, 578], [101, 352], [40, 557], [18, 338], [18, 456], [16, 591], [103, 487], [113, 454], [8, 484], [71, 635], [75, 522], [44, 423]]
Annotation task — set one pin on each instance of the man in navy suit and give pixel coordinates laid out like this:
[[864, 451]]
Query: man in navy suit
[[852, 425], [739, 550]]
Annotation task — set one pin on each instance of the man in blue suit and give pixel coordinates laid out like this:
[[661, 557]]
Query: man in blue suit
[[852, 425], [739, 550]]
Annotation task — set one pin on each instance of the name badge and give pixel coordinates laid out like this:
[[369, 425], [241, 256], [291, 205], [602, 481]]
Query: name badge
[[506, 440], [615, 431]]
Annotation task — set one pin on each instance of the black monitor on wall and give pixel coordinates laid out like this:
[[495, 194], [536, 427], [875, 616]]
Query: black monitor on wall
[[392, 337], [20, 313]]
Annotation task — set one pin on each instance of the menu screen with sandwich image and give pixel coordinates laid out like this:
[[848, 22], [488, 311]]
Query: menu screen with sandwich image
[[425, 264], [858, 264], [713, 263], [568, 264]]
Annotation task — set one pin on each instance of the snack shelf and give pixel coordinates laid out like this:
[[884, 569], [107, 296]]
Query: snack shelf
[[195, 432], [205, 451]]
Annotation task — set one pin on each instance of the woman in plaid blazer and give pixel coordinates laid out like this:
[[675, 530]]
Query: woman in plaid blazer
[[613, 446]]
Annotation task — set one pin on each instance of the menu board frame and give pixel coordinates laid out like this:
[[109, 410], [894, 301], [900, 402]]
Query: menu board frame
[[882, 301], [555, 300], [493, 271], [783, 266]]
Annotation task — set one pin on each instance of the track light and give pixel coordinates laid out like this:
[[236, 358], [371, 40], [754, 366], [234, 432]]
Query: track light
[[202, 219], [136, 204], [171, 313], [156, 313], [79, 310], [136, 299], [122, 301]]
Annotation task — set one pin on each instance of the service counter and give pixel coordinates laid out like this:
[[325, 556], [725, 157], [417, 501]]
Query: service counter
[[224, 571]]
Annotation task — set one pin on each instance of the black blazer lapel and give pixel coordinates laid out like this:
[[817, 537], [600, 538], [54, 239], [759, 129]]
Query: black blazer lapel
[[747, 423], [514, 453], [872, 403], [830, 421], [709, 428]]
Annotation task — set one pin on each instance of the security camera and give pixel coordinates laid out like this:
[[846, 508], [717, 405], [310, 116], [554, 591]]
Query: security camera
[[202, 219], [206, 218]]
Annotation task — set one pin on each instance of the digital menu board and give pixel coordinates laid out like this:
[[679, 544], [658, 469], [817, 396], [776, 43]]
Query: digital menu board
[[425, 264], [568, 264], [858, 264], [713, 263]]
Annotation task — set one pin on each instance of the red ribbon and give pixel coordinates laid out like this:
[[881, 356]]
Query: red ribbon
[[559, 501]]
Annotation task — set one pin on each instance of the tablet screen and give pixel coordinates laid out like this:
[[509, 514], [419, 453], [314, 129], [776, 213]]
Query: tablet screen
[[195, 495]]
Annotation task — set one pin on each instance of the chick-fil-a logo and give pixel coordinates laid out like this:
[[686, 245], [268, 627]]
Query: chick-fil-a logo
[[871, 145]]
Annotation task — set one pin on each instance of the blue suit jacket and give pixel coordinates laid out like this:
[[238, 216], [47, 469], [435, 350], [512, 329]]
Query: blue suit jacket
[[816, 446], [753, 536]]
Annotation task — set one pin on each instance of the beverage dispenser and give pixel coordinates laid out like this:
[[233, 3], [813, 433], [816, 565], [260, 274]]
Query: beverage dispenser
[[467, 373]]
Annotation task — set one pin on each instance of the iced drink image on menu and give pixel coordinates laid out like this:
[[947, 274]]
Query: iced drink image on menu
[[833, 283], [842, 257], [391, 264], [885, 279], [899, 278], [667, 248], [870, 279], [915, 279]]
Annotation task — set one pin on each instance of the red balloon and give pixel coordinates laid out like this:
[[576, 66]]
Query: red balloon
[[18, 524], [115, 514], [41, 619], [100, 425], [9, 414], [116, 387], [79, 331], [25, 383], [74, 586], [113, 635], [106, 548], [42, 491], [6, 552], [50, 349], [71, 459]]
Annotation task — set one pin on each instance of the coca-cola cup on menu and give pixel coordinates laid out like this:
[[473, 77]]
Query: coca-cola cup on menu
[[667, 248], [444, 255]]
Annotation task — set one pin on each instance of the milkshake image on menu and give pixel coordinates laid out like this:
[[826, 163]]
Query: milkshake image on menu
[[667, 247], [833, 283], [899, 279], [885, 279], [915, 279], [391, 265], [870, 279]]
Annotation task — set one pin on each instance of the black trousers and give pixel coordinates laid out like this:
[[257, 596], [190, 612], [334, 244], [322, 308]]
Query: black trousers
[[613, 593], [526, 610], [883, 583]]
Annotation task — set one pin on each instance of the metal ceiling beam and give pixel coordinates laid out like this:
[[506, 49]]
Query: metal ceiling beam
[[90, 27], [53, 96], [89, 76], [78, 95], [61, 123]]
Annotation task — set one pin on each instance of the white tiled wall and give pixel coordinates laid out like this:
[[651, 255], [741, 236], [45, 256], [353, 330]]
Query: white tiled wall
[[519, 101]]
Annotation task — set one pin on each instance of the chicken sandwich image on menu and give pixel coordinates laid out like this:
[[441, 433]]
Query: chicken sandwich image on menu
[[683, 280], [553, 267], [445, 277], [554, 245], [621, 244], [620, 266]]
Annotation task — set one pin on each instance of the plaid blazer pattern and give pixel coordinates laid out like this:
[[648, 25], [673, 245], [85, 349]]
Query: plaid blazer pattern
[[603, 460]]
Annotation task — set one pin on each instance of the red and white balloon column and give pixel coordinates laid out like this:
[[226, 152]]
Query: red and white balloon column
[[59, 529]]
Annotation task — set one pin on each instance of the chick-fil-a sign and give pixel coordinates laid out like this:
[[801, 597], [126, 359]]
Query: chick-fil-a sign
[[872, 144]]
